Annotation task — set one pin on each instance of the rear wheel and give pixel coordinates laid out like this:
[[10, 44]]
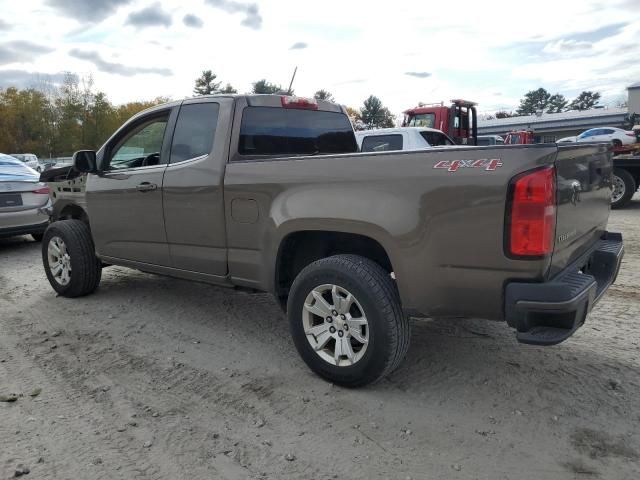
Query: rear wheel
[[624, 186], [69, 258], [616, 143], [346, 320]]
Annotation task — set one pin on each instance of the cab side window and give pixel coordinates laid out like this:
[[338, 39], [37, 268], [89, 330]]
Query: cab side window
[[141, 146], [381, 143], [195, 131]]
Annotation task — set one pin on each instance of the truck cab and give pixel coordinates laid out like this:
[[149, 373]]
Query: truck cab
[[458, 120]]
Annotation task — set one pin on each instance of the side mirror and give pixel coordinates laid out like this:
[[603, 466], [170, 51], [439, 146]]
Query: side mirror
[[84, 161]]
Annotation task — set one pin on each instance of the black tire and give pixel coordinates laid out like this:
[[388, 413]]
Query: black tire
[[86, 269], [388, 328], [616, 143], [37, 236], [629, 188]]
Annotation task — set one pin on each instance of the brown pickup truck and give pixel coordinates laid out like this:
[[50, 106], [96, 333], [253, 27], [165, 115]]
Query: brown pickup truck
[[269, 193]]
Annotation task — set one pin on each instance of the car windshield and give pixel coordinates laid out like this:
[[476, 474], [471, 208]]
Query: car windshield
[[422, 120], [12, 169]]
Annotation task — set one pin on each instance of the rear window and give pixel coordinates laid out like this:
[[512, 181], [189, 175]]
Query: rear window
[[286, 131], [436, 139], [381, 143]]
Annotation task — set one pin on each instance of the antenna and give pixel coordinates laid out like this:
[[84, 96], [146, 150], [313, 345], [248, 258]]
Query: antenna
[[292, 78]]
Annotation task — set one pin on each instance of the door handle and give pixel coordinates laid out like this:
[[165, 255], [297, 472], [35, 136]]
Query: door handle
[[146, 187]]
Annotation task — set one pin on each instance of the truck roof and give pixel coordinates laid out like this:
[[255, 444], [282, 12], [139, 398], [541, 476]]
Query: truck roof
[[253, 100]]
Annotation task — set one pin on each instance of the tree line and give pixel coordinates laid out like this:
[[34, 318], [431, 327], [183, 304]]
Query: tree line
[[541, 100], [372, 114], [56, 120]]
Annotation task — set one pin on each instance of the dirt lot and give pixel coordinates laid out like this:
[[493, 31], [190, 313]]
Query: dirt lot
[[155, 378]]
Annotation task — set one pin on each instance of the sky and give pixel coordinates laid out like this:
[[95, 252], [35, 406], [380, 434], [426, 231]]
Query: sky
[[404, 52]]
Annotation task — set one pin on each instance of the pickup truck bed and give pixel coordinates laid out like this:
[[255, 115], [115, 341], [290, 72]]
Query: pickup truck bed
[[351, 244]]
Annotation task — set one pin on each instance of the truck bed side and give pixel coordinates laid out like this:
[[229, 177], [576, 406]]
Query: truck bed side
[[442, 228]]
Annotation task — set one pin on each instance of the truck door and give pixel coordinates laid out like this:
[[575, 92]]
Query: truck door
[[193, 187], [125, 199]]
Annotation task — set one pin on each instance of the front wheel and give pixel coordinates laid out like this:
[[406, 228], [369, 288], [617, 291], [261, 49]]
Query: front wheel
[[346, 320], [624, 187], [69, 258]]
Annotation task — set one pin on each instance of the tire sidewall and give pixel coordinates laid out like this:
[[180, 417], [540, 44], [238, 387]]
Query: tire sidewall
[[378, 352], [75, 285], [629, 186]]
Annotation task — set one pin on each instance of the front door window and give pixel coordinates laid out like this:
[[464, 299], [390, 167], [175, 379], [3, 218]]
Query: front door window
[[140, 147]]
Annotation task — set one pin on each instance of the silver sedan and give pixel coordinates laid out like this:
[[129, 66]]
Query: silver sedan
[[21, 196]]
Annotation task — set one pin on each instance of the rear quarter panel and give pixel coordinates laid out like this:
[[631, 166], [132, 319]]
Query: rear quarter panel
[[442, 230]]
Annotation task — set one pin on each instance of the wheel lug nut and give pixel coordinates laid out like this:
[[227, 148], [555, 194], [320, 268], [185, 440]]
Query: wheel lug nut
[[332, 330], [342, 317], [334, 313], [329, 319], [340, 333], [346, 327]]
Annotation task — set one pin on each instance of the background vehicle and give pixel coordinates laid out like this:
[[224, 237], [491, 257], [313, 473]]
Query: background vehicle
[[616, 136], [519, 137], [459, 120], [407, 138], [626, 179], [567, 140], [21, 196], [30, 159], [269, 193], [488, 140]]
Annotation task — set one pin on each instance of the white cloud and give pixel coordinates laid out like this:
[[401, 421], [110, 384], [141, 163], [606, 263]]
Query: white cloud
[[404, 54]]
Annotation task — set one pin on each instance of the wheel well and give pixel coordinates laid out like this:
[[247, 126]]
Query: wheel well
[[74, 212], [300, 249]]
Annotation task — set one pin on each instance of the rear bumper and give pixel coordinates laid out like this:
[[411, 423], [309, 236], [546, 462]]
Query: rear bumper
[[550, 312], [23, 229], [23, 222]]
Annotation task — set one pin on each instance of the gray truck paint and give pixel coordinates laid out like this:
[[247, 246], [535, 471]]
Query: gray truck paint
[[222, 218]]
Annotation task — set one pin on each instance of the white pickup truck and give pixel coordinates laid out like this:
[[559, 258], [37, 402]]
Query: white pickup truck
[[405, 138]]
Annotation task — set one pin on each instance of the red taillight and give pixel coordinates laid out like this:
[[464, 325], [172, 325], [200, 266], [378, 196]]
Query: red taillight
[[299, 102], [42, 190], [630, 134], [531, 224]]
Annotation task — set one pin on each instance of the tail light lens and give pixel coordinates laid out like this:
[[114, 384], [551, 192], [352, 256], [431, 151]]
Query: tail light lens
[[630, 134], [42, 190], [531, 219]]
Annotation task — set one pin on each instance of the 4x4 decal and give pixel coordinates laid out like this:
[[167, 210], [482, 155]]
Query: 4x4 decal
[[486, 163]]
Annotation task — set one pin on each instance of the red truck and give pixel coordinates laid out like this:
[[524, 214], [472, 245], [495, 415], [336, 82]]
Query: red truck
[[519, 137], [459, 120]]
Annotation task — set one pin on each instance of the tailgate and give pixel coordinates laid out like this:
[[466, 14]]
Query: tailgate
[[583, 198]]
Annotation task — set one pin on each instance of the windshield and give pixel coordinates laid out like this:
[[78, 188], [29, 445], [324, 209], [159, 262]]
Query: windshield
[[422, 120], [12, 169]]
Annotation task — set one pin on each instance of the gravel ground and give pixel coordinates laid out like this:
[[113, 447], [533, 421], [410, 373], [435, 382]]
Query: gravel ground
[[156, 378]]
